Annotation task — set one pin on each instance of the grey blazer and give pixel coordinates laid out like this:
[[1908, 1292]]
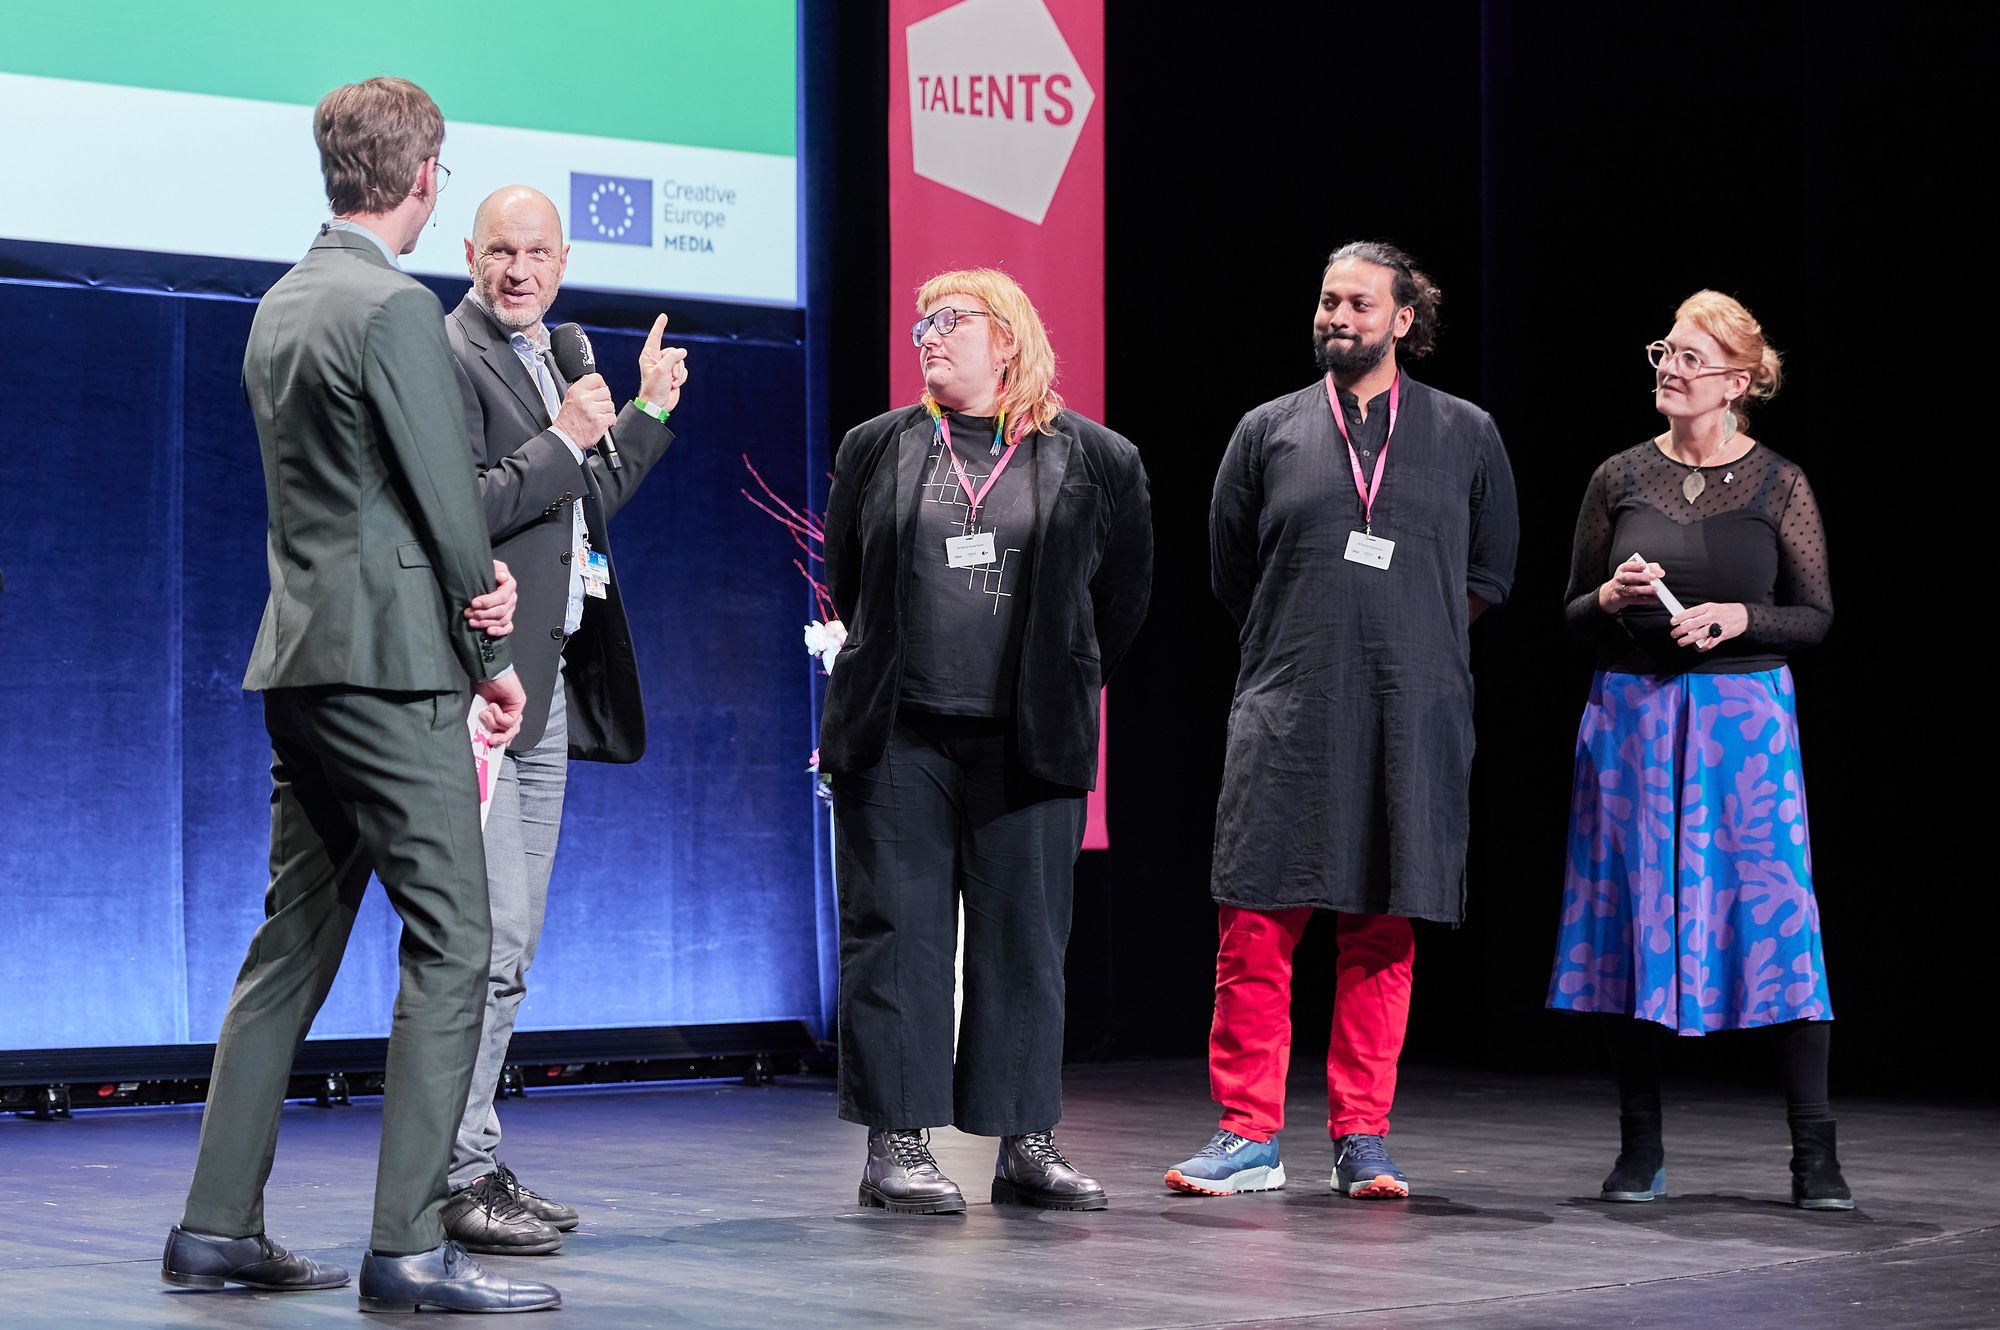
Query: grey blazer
[[527, 480]]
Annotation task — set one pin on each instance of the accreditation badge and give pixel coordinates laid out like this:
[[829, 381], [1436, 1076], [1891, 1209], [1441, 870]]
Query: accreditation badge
[[1371, 550], [975, 551]]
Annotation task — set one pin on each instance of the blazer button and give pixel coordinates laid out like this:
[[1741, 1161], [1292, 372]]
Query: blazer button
[[564, 557], [556, 633]]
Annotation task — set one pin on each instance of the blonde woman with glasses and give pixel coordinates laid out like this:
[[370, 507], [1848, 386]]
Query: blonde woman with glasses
[[990, 552], [1699, 566]]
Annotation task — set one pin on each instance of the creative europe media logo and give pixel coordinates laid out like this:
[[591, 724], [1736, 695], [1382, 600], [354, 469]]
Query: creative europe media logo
[[619, 210]]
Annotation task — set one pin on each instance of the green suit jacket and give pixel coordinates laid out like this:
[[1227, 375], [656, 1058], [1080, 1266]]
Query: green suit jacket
[[376, 541]]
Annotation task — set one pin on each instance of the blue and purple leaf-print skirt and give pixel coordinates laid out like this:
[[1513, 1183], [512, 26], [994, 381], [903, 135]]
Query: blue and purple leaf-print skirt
[[1687, 896]]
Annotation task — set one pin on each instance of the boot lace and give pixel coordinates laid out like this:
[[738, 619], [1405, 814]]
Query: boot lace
[[910, 1149], [1040, 1146]]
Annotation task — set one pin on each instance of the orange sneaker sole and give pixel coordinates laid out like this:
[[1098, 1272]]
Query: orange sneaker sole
[[1179, 1182], [1382, 1188]]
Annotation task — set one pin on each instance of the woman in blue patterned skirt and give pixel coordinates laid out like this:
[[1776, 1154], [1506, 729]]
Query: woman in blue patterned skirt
[[1699, 563]]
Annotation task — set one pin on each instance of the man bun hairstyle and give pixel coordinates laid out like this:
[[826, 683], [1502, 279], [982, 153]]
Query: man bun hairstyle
[[372, 137], [1412, 287]]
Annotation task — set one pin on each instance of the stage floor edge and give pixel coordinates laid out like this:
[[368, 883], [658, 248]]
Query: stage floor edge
[[719, 1204]]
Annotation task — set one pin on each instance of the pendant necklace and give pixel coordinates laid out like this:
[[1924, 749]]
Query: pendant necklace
[[1695, 483]]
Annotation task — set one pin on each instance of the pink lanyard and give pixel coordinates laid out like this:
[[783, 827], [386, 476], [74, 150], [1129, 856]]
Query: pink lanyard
[[1367, 490], [974, 497]]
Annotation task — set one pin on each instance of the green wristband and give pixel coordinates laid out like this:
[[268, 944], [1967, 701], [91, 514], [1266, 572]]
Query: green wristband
[[658, 413]]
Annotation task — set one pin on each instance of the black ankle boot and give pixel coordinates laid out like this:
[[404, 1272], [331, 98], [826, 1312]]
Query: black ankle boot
[[901, 1175], [1816, 1180], [1641, 1171]]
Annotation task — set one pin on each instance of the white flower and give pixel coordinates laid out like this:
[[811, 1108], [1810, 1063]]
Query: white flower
[[825, 641]]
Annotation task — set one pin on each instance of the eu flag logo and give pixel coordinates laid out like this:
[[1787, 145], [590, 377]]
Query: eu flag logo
[[617, 210]]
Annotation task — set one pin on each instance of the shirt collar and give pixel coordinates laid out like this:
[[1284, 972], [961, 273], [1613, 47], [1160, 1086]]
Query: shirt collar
[[343, 224]]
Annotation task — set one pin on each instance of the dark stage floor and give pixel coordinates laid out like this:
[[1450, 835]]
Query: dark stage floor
[[723, 1205]]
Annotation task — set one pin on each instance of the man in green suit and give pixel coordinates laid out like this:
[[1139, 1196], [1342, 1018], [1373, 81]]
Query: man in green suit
[[383, 604]]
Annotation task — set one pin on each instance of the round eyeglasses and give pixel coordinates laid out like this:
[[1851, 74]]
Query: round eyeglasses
[[1684, 364], [944, 320]]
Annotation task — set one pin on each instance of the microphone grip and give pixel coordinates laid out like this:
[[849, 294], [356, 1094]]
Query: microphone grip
[[569, 345]]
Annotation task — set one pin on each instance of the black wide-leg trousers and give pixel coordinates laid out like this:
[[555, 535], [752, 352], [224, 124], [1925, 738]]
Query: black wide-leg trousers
[[949, 812]]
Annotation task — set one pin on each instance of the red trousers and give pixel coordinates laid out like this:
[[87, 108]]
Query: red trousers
[[1250, 1044]]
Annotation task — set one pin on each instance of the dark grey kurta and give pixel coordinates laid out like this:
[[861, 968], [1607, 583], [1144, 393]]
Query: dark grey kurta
[[1350, 738]]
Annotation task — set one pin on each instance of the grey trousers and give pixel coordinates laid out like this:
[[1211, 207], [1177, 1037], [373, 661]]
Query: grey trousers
[[360, 780], [521, 831]]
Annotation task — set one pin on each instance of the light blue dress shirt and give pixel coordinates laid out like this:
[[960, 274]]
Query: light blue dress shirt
[[532, 347]]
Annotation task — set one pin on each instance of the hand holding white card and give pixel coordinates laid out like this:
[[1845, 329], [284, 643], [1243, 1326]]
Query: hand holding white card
[[1667, 598]]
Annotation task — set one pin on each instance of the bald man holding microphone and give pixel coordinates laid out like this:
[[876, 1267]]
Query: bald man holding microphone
[[555, 460]]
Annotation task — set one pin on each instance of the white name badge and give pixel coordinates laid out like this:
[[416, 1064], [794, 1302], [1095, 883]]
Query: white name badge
[[969, 551], [596, 573], [1371, 550]]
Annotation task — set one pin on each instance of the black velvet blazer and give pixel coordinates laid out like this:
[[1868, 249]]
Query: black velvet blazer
[[1087, 591]]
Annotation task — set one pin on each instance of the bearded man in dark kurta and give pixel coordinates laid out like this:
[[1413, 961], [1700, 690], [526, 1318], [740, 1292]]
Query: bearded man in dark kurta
[[1359, 525]]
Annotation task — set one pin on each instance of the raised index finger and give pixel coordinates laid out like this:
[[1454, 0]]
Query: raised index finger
[[653, 337]]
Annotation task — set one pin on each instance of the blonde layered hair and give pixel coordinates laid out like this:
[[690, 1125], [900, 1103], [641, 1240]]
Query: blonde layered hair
[[1742, 339], [1027, 381]]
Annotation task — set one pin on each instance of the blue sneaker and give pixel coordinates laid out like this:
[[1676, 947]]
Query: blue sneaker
[[1362, 1167], [1229, 1164]]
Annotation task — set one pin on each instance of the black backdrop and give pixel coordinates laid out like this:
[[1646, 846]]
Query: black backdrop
[[1567, 174]]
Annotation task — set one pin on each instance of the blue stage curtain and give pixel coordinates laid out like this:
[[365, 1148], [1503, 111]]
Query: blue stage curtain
[[132, 864]]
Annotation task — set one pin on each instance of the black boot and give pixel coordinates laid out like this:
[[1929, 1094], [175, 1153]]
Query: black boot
[[1031, 1171], [901, 1175], [1816, 1180], [1641, 1171]]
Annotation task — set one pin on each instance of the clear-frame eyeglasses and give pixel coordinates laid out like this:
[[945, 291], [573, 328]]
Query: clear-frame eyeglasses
[[1683, 364]]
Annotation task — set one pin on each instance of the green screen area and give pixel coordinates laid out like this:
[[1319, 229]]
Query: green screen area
[[694, 72]]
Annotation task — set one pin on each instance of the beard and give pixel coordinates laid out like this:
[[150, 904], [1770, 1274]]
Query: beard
[[1346, 359], [520, 320]]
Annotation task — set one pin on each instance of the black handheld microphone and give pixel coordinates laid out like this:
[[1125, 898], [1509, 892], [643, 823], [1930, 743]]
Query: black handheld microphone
[[570, 349]]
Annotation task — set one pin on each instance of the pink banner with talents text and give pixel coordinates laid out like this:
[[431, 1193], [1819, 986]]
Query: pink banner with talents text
[[996, 160]]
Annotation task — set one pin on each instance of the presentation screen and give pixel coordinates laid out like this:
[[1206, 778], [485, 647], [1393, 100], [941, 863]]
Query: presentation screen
[[665, 130]]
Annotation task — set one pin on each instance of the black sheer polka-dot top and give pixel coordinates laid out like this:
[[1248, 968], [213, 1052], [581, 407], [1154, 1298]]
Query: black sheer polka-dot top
[[1751, 534]]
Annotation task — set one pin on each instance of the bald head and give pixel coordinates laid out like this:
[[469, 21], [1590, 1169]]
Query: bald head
[[516, 254], [519, 202]]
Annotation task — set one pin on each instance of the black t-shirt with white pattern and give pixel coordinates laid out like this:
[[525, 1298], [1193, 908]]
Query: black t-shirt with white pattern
[[964, 628]]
